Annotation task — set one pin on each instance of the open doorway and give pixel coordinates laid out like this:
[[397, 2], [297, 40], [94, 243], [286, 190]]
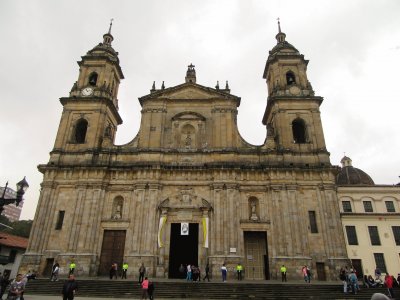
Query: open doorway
[[183, 249]]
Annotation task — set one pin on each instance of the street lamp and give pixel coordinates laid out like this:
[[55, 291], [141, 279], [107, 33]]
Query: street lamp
[[22, 186]]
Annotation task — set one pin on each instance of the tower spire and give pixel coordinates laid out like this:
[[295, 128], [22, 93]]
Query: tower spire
[[108, 38], [109, 30], [280, 37]]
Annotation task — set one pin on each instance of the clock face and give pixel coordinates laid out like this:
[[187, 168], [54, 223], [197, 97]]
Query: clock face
[[87, 91]]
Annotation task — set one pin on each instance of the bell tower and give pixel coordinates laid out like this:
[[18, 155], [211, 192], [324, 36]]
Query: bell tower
[[292, 115], [90, 114]]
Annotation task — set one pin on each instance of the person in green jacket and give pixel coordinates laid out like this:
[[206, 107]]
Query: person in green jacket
[[283, 272], [124, 270], [72, 267], [239, 271]]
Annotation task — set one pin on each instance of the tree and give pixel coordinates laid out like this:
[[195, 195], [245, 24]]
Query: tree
[[19, 228]]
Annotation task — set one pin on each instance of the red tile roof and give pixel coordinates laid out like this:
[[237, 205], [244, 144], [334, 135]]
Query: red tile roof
[[10, 240]]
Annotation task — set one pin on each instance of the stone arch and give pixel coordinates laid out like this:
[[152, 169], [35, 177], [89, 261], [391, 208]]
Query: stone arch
[[93, 78], [80, 131], [299, 131], [290, 78], [117, 207]]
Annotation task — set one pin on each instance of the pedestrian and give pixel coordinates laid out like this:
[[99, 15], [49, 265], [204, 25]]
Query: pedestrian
[[145, 287], [150, 290], [182, 271], [353, 281], [343, 278], [54, 272], [305, 274], [4, 282], [17, 288], [207, 270], [389, 285], [378, 274], [124, 270], [308, 274], [72, 267], [113, 271], [69, 288], [189, 273], [239, 270], [224, 271], [142, 271], [283, 273]]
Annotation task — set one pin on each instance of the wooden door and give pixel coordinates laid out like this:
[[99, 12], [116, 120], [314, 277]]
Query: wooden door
[[255, 255], [321, 271], [112, 250], [357, 265]]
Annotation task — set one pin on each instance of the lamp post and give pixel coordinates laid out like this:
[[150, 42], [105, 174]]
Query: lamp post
[[22, 186]]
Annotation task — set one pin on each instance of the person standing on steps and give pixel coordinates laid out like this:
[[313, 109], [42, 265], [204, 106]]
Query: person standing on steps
[[142, 271], [207, 270], [145, 287], [283, 273], [239, 270], [72, 267], [124, 270], [69, 288], [54, 272], [224, 271]]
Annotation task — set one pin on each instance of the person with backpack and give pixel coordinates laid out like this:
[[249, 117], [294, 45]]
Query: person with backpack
[[353, 281], [150, 290]]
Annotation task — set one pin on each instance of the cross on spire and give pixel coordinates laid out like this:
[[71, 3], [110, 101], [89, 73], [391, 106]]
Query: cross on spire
[[109, 30]]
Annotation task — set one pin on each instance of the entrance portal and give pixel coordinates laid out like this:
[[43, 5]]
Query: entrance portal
[[183, 249], [256, 255], [112, 250]]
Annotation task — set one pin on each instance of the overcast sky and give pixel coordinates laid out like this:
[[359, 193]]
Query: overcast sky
[[353, 48]]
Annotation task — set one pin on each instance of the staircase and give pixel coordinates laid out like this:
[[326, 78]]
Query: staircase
[[203, 290]]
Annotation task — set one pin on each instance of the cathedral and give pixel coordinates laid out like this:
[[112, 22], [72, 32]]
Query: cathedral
[[188, 189]]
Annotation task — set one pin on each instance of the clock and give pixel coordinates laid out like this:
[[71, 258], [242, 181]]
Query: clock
[[294, 90], [87, 91]]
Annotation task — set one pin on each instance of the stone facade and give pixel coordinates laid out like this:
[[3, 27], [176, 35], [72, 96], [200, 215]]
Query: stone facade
[[262, 206]]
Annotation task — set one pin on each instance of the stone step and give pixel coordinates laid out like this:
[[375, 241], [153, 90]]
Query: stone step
[[202, 290]]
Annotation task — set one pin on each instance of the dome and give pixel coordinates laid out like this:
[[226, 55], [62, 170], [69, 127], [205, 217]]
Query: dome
[[349, 175]]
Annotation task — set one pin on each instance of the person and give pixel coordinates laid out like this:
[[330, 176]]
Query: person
[[4, 282], [353, 281], [188, 272], [343, 278], [17, 288], [306, 274], [54, 272], [142, 271], [371, 281], [377, 274], [395, 282], [72, 267], [379, 296], [195, 273], [224, 271], [182, 271], [308, 270], [145, 287], [207, 270], [389, 285], [31, 275], [150, 290], [398, 278], [69, 288], [239, 270], [283, 273], [113, 271], [124, 270]]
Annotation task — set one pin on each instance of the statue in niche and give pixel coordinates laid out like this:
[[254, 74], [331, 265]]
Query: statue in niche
[[253, 205], [117, 211], [188, 140]]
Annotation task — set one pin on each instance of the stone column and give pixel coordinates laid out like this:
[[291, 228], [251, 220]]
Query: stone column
[[137, 216]]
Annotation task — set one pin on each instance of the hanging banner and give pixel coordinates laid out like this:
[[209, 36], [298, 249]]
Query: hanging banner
[[184, 228], [163, 219], [205, 231]]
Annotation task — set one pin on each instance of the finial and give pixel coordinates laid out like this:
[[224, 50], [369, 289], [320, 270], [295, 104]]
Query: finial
[[279, 25], [162, 86], [109, 30], [227, 85], [153, 88], [217, 86], [190, 74]]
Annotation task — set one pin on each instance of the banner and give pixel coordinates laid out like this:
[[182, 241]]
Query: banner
[[184, 228], [163, 219], [205, 232]]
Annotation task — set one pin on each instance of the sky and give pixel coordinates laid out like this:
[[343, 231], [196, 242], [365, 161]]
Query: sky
[[353, 48]]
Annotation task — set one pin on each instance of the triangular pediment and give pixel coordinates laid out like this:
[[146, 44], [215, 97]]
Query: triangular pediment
[[189, 91]]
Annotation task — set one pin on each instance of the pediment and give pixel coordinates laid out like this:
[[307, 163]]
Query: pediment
[[186, 199]]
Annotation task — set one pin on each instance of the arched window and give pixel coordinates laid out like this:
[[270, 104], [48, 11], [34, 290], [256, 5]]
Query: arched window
[[80, 131], [299, 131], [290, 78], [93, 79]]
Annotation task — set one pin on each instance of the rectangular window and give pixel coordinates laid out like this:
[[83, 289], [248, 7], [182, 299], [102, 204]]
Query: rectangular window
[[380, 262], [396, 234], [60, 219], [313, 221], [368, 206], [390, 206], [12, 255], [374, 235], [346, 206], [351, 235]]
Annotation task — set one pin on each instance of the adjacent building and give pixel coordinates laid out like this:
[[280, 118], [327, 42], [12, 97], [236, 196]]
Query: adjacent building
[[371, 220], [188, 189], [11, 250]]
